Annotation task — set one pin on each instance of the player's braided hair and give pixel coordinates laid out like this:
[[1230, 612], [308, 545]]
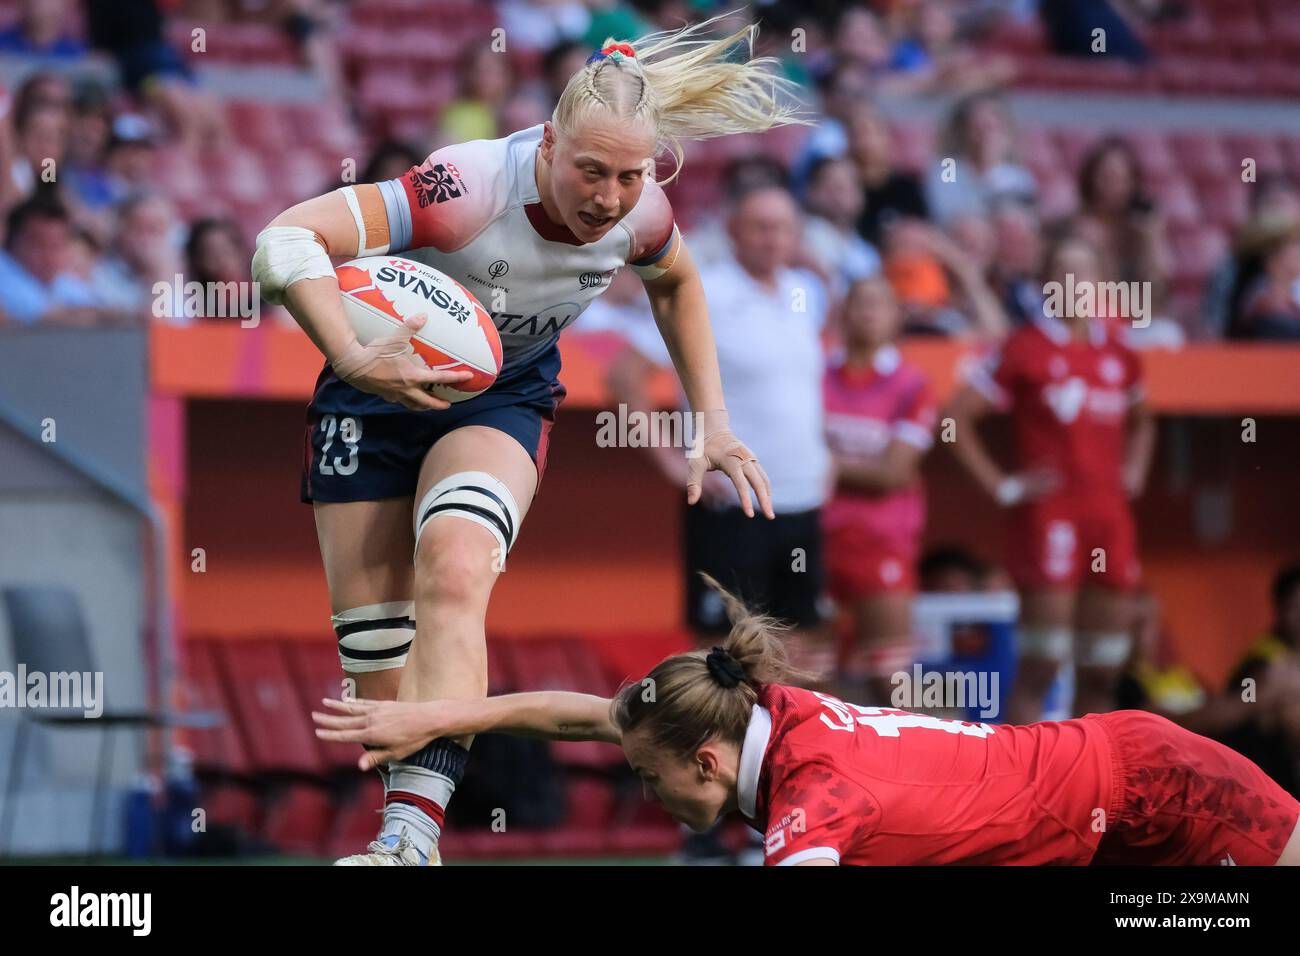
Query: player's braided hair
[[684, 84], [692, 698]]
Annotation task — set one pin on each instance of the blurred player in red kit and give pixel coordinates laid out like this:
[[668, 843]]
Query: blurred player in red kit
[[880, 418], [829, 782], [1084, 437]]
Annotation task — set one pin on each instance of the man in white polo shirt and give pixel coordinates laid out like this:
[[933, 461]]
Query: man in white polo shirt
[[767, 319]]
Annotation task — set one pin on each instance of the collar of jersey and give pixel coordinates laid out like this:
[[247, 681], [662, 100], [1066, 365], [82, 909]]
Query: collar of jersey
[[553, 232], [757, 735]]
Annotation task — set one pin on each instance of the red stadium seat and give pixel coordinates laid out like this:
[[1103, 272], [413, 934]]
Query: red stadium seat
[[1201, 155], [1037, 148], [357, 819], [501, 670], [276, 728], [489, 844], [314, 667], [1223, 199], [1266, 151], [1175, 198], [1198, 250], [220, 749], [553, 664], [231, 805], [1153, 153], [297, 819], [239, 175]]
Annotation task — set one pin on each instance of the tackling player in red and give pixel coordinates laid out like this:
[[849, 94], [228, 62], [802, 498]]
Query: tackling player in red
[[1084, 437], [827, 782]]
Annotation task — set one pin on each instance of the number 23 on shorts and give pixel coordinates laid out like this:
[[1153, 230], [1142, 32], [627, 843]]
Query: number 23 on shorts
[[348, 432]]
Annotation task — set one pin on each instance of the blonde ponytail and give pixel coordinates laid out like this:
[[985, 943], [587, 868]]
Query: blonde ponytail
[[685, 86], [684, 702]]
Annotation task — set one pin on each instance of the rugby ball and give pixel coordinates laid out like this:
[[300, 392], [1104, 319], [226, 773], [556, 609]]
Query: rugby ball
[[379, 291]]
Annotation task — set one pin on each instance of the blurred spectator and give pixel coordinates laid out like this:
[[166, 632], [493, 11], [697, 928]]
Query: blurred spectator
[[1271, 309], [1084, 438], [860, 39], [980, 138], [523, 109], [1155, 679], [1274, 213], [40, 142], [1257, 711], [42, 30], [133, 33], [891, 193], [1018, 240], [1072, 24], [754, 299], [144, 253], [942, 285], [561, 62], [766, 316], [91, 125], [131, 156], [536, 26], [621, 19], [37, 277], [486, 82], [215, 252], [831, 242], [390, 159], [880, 418], [843, 89], [931, 54], [1271, 734], [863, 43], [1119, 217], [311, 25], [709, 236]]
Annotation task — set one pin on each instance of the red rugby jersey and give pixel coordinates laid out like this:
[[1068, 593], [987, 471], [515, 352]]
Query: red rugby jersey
[[867, 409], [878, 785], [1068, 399]]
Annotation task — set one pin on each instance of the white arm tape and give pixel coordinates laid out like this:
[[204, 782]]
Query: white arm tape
[[350, 196], [285, 255]]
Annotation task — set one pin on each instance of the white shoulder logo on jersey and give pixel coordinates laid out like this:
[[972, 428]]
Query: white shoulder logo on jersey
[[887, 722]]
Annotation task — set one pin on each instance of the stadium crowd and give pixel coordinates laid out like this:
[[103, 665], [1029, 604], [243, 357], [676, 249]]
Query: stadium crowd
[[883, 240]]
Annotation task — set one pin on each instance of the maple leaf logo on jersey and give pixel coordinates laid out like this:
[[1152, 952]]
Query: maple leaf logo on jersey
[[436, 185], [1066, 398]]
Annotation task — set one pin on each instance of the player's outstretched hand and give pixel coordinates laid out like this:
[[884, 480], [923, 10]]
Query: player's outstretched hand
[[717, 448], [397, 728], [388, 367]]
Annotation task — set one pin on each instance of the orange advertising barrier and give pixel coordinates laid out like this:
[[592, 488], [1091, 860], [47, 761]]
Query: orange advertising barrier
[[226, 361], [227, 434]]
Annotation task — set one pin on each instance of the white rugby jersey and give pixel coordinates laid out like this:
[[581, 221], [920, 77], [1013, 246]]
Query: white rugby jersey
[[473, 211]]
